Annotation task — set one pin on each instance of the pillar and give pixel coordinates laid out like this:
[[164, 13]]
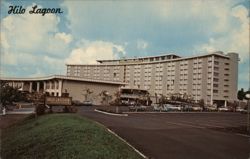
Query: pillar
[[50, 85], [30, 89], [44, 86], [22, 86], [37, 86], [55, 88], [225, 103], [60, 88]]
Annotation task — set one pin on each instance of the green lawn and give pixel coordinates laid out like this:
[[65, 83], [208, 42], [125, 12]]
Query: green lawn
[[62, 136]]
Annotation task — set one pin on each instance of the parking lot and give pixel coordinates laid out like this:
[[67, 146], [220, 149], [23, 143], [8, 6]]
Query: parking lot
[[180, 135]]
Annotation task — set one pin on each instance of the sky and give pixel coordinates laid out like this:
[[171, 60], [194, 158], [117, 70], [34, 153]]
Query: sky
[[33, 45]]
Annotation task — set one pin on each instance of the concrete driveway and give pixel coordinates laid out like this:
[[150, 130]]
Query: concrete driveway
[[179, 135]]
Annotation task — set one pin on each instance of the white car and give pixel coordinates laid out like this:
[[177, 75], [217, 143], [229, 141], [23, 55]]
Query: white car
[[87, 103], [223, 109], [157, 108], [211, 108], [197, 108], [239, 109], [172, 107]]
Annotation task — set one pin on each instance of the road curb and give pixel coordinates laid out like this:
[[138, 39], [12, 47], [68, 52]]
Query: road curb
[[172, 112], [9, 113], [140, 153], [103, 112], [123, 140]]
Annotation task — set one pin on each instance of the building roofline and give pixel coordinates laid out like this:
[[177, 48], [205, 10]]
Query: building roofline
[[140, 89], [217, 53], [59, 77], [145, 57]]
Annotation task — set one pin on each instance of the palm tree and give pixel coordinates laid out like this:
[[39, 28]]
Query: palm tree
[[87, 93], [106, 97]]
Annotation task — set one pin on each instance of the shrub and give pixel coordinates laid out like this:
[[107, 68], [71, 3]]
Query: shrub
[[40, 109]]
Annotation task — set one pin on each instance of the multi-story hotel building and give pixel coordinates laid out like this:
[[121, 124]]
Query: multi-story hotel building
[[212, 77]]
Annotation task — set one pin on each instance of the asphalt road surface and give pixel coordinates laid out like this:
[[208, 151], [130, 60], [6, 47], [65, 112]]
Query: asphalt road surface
[[179, 135]]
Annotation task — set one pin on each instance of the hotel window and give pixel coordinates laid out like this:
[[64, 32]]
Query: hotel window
[[215, 85], [216, 79], [215, 91], [216, 62], [216, 68]]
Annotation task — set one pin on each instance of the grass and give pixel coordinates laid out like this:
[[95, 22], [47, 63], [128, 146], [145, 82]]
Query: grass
[[62, 136]]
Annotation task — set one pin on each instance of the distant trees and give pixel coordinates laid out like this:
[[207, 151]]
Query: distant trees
[[241, 94], [9, 94]]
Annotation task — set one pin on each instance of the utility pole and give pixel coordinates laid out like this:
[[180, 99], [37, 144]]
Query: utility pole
[[248, 111]]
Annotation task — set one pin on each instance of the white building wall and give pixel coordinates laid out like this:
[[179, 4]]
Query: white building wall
[[210, 77]]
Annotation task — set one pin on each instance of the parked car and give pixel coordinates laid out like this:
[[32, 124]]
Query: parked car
[[87, 103], [244, 111], [209, 108], [187, 108], [223, 109], [169, 107], [197, 108], [156, 107], [238, 109], [137, 108]]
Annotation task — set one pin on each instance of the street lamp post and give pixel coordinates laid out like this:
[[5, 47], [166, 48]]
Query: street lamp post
[[248, 112]]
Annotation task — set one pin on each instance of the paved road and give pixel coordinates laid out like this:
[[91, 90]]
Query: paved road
[[178, 135]]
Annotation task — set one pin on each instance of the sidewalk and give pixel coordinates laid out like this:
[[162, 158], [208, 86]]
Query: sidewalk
[[20, 111]]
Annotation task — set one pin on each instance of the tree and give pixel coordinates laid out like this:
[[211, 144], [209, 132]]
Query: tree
[[9, 94], [87, 93], [106, 97], [117, 101], [241, 94], [202, 104]]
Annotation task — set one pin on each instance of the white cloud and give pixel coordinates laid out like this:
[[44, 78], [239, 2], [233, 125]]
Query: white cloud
[[28, 32], [142, 44], [92, 51], [28, 39], [237, 40], [67, 38], [211, 16], [4, 43]]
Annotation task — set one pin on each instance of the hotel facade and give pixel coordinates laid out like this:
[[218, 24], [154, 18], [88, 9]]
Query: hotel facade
[[212, 77]]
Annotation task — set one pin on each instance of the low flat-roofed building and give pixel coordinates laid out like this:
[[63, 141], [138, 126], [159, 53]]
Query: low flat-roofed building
[[76, 87]]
